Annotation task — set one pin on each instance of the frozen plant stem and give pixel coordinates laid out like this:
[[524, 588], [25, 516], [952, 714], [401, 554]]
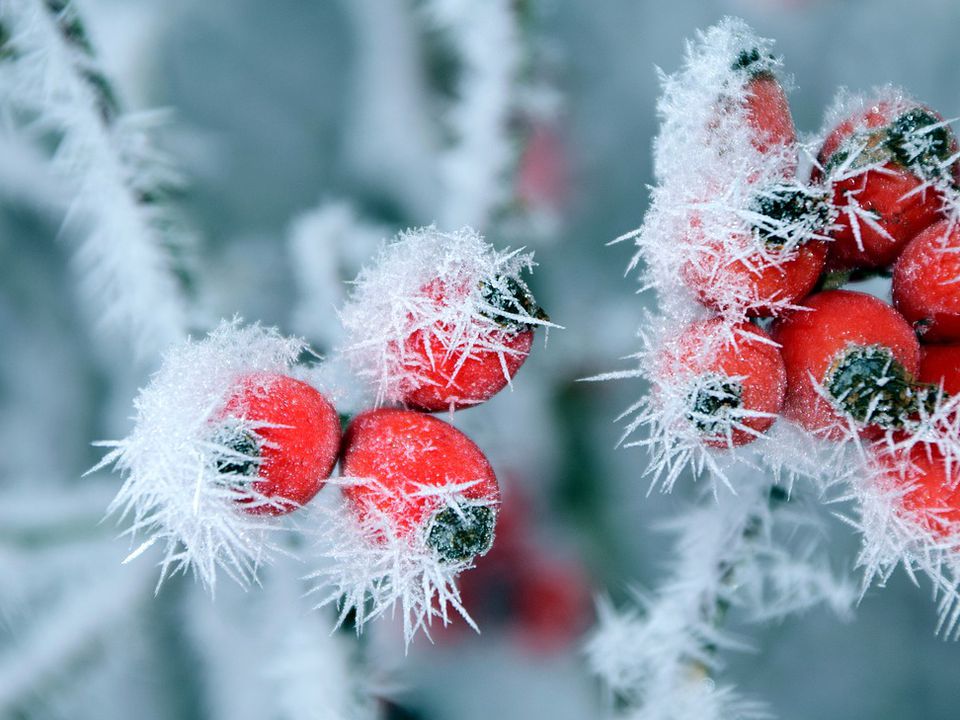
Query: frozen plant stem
[[474, 168], [667, 656], [127, 257]]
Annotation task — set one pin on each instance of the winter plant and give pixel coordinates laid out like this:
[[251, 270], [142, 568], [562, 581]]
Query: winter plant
[[775, 381], [322, 468], [229, 467]]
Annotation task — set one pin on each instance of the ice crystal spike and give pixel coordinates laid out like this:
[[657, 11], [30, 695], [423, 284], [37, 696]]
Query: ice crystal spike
[[371, 566], [184, 476]]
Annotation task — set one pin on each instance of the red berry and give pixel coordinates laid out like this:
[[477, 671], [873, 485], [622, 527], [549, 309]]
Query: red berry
[[294, 432], [768, 113], [449, 380], [452, 368], [552, 603], [926, 283], [729, 274], [934, 500], [726, 373], [764, 104], [408, 455], [886, 162], [541, 175], [860, 351], [940, 365]]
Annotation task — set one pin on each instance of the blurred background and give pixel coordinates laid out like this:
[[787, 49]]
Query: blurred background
[[305, 133]]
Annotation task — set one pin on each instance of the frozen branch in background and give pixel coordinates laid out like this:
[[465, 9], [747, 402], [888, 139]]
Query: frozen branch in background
[[294, 667], [128, 258], [69, 628], [659, 660], [474, 170], [327, 247]]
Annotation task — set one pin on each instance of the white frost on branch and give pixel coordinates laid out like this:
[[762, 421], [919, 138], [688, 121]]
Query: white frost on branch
[[174, 490], [327, 245], [125, 257], [84, 610], [660, 657], [293, 667], [474, 170]]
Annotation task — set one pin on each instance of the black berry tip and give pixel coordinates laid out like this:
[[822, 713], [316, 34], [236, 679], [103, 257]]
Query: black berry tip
[[508, 296], [458, 534], [871, 386], [712, 403], [785, 213]]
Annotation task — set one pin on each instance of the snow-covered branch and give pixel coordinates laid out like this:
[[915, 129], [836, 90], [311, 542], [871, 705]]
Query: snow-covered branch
[[660, 658], [129, 257], [473, 170]]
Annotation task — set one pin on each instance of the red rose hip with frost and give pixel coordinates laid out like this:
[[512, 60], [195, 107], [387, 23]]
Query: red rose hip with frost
[[861, 353], [768, 111], [940, 365], [731, 379], [926, 283], [415, 463], [775, 261], [886, 166], [454, 370], [284, 437], [933, 499]]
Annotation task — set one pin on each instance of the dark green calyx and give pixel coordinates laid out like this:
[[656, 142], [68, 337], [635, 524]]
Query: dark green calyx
[[712, 404], [920, 141], [241, 461], [871, 386], [507, 296], [459, 534], [754, 62], [790, 213]]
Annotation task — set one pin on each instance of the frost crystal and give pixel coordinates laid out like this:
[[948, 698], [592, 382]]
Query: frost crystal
[[372, 563], [131, 252], [453, 288], [185, 478]]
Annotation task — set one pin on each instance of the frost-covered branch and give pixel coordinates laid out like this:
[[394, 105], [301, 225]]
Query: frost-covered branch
[[128, 258], [474, 169], [660, 658], [297, 668], [66, 629], [327, 246]]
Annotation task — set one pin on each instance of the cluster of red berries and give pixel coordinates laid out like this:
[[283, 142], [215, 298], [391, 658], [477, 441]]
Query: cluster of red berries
[[880, 200], [281, 438]]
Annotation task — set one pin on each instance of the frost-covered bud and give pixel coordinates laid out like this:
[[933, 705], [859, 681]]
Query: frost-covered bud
[[757, 254], [724, 383]]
